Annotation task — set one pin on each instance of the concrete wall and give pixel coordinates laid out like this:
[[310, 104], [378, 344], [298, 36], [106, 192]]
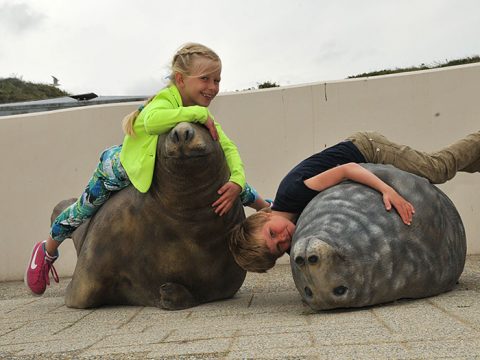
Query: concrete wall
[[48, 157]]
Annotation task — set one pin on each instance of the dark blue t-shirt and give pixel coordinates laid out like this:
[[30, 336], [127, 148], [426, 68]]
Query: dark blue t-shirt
[[293, 195]]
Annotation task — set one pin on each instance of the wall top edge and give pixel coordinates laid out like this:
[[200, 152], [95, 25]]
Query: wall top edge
[[249, 92], [367, 78]]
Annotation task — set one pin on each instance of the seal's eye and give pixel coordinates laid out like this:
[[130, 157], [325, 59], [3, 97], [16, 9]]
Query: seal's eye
[[299, 260], [308, 291], [313, 259], [340, 290]]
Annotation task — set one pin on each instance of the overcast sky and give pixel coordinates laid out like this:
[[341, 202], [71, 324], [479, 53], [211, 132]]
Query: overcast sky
[[124, 47]]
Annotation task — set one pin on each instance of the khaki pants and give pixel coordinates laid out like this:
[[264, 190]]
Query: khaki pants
[[437, 167]]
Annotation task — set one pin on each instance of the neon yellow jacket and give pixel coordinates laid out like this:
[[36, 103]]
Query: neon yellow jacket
[[158, 117]]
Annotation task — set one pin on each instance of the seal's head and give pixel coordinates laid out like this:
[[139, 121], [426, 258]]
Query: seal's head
[[187, 140], [325, 277], [188, 152]]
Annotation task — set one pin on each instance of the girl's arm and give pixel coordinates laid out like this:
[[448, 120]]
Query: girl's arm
[[355, 172], [160, 119], [234, 162], [163, 113], [230, 191], [161, 116]]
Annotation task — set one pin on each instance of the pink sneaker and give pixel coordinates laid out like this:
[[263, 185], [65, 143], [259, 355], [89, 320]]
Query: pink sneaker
[[40, 264]]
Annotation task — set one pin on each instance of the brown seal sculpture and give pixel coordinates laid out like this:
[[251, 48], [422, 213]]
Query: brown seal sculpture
[[167, 247]]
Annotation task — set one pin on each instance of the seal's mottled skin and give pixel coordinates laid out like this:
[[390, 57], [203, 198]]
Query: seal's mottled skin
[[165, 248], [348, 251]]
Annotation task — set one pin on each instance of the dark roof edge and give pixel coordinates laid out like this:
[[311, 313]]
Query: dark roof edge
[[34, 106]]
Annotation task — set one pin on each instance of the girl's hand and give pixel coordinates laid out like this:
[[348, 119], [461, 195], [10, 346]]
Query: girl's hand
[[403, 207], [210, 125], [228, 194]]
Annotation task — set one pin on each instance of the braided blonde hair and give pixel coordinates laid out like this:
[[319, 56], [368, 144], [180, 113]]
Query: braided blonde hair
[[184, 63], [129, 120]]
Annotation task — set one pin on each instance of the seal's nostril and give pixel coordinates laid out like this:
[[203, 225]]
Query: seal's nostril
[[313, 259], [174, 135], [308, 291], [340, 290], [188, 134], [299, 260]]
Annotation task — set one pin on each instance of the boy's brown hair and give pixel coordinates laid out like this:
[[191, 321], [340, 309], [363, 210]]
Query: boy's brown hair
[[248, 245]]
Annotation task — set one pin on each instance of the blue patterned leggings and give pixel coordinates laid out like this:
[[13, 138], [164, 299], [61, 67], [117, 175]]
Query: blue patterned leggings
[[109, 176]]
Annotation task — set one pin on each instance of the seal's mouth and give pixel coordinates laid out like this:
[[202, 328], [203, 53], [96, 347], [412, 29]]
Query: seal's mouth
[[185, 154]]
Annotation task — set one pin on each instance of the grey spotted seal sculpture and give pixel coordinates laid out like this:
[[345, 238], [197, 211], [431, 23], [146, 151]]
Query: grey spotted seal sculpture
[[166, 248], [348, 251]]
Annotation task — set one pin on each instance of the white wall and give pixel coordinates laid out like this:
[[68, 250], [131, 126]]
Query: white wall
[[50, 156]]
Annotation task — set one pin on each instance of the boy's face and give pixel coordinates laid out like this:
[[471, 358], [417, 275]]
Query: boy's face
[[200, 89], [277, 233]]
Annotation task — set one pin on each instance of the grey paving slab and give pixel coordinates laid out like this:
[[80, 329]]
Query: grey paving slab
[[464, 306], [185, 334], [336, 352], [256, 342], [265, 320], [422, 322], [466, 348]]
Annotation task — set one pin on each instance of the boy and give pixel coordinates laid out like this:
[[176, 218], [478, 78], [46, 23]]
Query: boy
[[265, 236]]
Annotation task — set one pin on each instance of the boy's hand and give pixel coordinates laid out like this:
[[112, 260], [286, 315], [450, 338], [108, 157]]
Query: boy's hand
[[403, 207], [228, 194], [210, 125]]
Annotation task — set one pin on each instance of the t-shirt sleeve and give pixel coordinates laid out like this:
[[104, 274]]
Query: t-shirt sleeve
[[293, 195]]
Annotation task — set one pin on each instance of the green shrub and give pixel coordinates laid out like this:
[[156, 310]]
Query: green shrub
[[14, 90], [467, 60]]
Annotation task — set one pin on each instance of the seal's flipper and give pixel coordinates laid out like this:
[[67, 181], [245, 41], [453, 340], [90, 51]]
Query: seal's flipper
[[175, 296], [84, 294]]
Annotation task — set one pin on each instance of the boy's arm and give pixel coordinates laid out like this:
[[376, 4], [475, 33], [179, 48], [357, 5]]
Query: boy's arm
[[361, 175]]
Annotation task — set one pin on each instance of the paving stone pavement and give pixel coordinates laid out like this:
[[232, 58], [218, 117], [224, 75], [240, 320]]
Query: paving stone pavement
[[266, 319]]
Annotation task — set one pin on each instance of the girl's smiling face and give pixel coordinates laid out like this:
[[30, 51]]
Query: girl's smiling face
[[201, 87], [278, 232]]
